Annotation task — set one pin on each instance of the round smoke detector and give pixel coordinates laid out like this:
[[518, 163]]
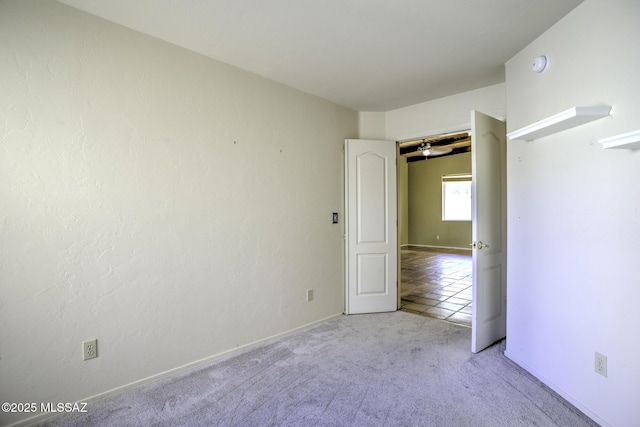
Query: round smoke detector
[[540, 64]]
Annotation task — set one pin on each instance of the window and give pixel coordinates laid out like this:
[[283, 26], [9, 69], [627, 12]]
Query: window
[[456, 197]]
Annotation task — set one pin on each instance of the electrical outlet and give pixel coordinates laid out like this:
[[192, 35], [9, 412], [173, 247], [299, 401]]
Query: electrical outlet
[[309, 295], [89, 349], [601, 364]]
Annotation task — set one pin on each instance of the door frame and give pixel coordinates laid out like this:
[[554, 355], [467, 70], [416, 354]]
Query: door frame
[[401, 213], [442, 131]]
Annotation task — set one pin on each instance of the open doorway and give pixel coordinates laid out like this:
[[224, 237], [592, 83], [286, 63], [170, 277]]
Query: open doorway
[[488, 228], [371, 271], [435, 259]]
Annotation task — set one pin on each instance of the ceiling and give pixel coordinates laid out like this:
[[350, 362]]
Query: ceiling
[[368, 55]]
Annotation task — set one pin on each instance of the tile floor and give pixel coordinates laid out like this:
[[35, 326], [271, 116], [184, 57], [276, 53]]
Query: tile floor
[[437, 284]]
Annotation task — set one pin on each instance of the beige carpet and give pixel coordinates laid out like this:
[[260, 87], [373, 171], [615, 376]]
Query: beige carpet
[[392, 369]]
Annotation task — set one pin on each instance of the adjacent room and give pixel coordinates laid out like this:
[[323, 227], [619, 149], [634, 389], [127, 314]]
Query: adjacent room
[[435, 256], [173, 212]]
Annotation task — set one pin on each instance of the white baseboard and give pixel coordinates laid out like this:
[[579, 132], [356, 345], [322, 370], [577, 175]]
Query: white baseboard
[[436, 247], [180, 369], [569, 398]]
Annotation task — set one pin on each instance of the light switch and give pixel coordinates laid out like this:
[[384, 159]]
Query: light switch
[[335, 217]]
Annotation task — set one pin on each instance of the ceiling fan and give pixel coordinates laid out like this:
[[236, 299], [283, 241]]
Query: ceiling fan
[[428, 150], [435, 146]]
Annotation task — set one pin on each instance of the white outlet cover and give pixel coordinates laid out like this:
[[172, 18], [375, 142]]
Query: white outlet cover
[[89, 349], [601, 364]]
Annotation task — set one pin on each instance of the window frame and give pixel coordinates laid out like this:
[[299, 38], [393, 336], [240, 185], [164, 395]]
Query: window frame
[[460, 177]]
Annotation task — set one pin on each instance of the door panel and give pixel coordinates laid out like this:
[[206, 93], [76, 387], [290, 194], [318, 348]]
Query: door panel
[[371, 195], [488, 148], [371, 226], [372, 274]]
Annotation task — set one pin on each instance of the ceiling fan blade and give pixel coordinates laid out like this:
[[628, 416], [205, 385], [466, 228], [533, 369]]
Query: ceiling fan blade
[[439, 151]]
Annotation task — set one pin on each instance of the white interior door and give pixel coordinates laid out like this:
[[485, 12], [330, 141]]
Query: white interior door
[[371, 226], [488, 148]]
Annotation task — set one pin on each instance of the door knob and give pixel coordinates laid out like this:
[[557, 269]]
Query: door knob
[[478, 245], [482, 245]]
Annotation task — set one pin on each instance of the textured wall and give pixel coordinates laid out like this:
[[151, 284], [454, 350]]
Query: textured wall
[[167, 204], [573, 213]]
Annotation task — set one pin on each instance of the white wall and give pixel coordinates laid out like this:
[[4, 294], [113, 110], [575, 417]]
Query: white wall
[[371, 125], [169, 205], [573, 209], [444, 115]]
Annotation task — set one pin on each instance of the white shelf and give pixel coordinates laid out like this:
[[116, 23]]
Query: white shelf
[[630, 140], [568, 119]]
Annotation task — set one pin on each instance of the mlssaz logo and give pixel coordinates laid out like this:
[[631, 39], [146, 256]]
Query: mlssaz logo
[[63, 407]]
